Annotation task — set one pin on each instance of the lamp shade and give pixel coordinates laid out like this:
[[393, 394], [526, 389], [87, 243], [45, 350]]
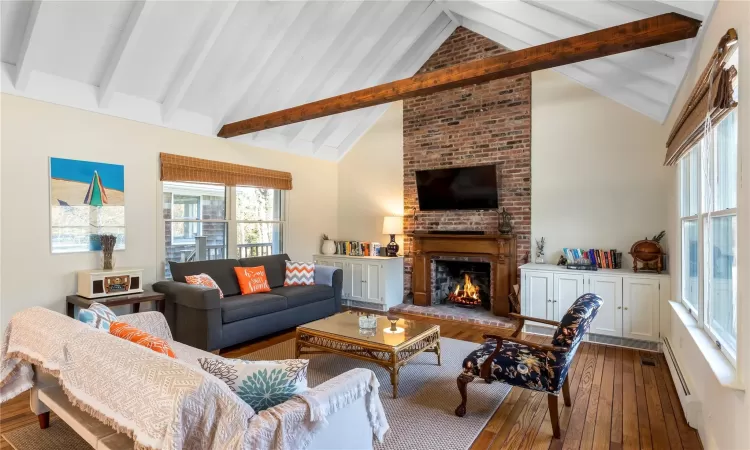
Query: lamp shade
[[393, 225]]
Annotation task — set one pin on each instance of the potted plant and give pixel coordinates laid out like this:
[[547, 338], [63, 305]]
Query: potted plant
[[329, 247]]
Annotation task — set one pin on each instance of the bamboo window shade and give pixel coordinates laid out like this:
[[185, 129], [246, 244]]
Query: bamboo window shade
[[712, 99], [188, 169]]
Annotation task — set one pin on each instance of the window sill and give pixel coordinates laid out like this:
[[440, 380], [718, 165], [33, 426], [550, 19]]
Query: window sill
[[726, 374]]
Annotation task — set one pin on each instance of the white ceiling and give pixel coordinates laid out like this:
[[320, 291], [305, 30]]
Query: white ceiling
[[196, 65]]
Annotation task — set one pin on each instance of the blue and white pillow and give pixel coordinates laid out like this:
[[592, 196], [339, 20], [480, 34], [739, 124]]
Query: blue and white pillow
[[260, 384], [97, 316]]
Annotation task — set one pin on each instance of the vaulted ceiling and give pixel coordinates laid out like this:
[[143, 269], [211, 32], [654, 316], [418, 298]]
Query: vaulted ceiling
[[195, 66]]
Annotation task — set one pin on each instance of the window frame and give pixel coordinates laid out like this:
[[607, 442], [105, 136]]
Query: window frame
[[702, 311], [230, 219]]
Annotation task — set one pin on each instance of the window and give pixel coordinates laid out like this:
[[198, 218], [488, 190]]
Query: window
[[198, 219], [708, 210]]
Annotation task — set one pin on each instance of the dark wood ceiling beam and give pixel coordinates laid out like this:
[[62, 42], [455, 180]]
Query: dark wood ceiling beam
[[609, 41]]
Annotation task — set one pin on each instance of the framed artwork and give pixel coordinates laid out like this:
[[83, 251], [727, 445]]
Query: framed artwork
[[86, 199]]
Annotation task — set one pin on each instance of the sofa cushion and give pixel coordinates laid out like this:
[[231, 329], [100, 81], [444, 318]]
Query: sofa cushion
[[302, 295], [97, 316], [242, 307], [275, 267], [221, 270], [130, 333]]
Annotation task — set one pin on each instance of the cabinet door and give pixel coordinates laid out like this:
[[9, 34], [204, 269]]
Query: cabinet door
[[373, 289], [537, 294], [609, 318], [346, 287], [640, 308], [357, 272], [568, 287]]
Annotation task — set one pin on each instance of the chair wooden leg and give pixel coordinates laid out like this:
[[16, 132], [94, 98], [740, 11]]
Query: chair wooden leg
[[43, 420], [566, 392], [552, 404], [463, 380]]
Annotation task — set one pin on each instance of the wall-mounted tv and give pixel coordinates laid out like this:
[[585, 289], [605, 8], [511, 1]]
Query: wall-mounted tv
[[457, 188]]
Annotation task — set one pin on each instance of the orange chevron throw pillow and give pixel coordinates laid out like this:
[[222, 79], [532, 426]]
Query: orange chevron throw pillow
[[299, 274], [133, 334], [252, 280]]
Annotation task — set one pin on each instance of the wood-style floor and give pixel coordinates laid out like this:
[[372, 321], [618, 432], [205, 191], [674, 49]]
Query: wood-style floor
[[617, 402]]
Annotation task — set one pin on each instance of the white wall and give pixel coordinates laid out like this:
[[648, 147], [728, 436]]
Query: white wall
[[33, 131], [596, 175], [371, 182], [724, 414]]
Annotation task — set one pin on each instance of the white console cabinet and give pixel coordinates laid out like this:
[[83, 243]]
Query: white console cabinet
[[369, 281], [632, 301]]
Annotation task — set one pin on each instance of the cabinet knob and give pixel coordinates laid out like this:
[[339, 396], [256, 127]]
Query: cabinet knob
[[549, 301], [619, 307], [626, 308]]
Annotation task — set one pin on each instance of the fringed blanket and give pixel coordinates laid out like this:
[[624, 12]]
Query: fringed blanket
[[162, 402], [33, 336]]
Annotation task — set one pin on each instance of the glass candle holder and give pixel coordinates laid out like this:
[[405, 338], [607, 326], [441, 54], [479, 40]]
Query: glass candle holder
[[367, 322]]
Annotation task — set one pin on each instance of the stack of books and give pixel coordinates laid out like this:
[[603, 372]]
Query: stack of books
[[603, 259], [357, 248]]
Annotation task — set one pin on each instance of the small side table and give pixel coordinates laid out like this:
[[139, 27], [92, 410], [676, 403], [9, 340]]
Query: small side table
[[132, 299]]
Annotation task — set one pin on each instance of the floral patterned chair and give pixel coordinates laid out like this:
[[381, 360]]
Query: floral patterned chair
[[540, 367]]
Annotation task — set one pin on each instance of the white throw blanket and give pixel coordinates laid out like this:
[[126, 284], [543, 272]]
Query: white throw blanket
[[163, 402], [33, 336]]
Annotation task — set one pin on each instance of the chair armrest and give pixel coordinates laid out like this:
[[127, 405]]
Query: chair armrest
[[152, 322], [189, 295], [534, 345], [533, 319]]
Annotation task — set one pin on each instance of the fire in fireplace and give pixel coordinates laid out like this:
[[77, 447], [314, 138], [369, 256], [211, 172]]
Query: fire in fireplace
[[466, 295], [457, 281]]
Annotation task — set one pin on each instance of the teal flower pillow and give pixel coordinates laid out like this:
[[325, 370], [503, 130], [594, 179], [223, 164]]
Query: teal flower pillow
[[97, 316], [260, 384]]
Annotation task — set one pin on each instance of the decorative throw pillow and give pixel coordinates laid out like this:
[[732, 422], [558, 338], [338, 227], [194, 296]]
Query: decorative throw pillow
[[97, 316], [203, 280], [252, 280], [260, 384], [133, 334], [299, 274]]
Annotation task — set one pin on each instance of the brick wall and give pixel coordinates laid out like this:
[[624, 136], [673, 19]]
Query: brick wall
[[483, 124]]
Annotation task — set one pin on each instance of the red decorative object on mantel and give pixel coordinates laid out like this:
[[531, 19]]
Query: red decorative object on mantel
[[468, 296]]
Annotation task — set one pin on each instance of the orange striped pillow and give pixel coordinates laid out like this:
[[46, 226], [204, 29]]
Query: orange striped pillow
[[133, 334]]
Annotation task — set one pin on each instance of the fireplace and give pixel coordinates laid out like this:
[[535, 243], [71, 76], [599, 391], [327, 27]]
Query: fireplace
[[462, 283], [489, 259]]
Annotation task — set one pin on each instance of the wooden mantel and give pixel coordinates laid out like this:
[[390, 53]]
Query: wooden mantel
[[498, 249]]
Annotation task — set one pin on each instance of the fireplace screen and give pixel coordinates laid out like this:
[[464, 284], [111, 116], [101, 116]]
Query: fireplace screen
[[462, 283]]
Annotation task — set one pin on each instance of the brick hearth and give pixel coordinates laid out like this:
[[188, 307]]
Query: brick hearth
[[488, 123]]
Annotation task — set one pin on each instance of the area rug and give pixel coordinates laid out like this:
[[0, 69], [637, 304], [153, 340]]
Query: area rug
[[59, 436], [422, 417]]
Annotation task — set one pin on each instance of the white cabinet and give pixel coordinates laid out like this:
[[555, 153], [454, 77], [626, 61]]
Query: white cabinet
[[632, 301], [608, 320], [538, 291], [640, 305], [369, 281], [568, 287]]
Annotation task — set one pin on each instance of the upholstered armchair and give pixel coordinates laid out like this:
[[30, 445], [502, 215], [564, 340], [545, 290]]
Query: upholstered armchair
[[540, 367]]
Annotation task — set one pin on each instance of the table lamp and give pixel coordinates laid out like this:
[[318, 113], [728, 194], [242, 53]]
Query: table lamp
[[392, 225]]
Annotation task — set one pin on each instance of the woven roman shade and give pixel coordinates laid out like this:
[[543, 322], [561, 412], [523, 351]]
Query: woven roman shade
[[185, 168], [712, 99]]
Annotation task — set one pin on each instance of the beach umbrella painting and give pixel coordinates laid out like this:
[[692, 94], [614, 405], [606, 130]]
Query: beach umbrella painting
[[96, 195]]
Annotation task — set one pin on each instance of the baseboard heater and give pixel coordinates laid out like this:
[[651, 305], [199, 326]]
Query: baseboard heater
[[678, 371]]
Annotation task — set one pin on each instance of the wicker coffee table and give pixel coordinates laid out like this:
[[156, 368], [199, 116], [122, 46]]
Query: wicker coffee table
[[340, 334]]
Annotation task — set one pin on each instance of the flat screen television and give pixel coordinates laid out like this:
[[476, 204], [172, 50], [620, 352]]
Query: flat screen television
[[457, 188]]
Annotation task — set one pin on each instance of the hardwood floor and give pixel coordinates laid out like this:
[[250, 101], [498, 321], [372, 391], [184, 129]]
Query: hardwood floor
[[617, 402]]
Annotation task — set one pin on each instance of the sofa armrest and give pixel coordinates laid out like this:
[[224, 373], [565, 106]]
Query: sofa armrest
[[189, 295], [331, 276], [152, 322], [193, 313]]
